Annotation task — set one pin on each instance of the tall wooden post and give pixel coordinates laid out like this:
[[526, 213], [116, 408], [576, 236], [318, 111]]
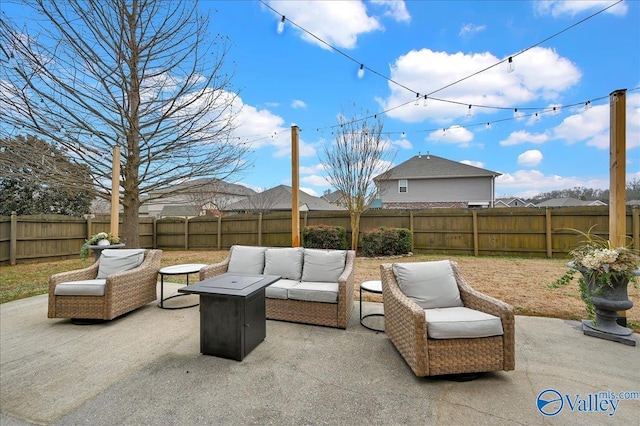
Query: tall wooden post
[[295, 189], [115, 192], [617, 168], [617, 175]]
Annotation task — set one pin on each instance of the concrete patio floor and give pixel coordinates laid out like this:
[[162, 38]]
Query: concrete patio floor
[[145, 368]]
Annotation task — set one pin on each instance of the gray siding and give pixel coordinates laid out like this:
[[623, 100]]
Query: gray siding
[[474, 190]]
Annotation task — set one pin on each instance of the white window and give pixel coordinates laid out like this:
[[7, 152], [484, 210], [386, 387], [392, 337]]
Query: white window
[[403, 185]]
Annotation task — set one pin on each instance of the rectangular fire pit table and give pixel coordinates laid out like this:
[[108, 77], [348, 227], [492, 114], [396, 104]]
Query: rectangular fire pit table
[[232, 313]]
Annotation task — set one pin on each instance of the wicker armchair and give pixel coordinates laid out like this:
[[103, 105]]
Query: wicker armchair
[[123, 291], [406, 325]]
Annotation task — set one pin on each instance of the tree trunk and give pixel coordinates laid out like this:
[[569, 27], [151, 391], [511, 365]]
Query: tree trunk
[[355, 230]]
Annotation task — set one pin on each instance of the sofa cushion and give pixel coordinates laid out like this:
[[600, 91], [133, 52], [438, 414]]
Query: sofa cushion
[[323, 265], [279, 289], [461, 323], [429, 284], [285, 262], [81, 288], [314, 292], [113, 261], [247, 260]]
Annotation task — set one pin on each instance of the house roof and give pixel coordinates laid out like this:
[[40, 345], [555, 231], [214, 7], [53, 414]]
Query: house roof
[[211, 185], [433, 167], [334, 197], [279, 198], [180, 211], [569, 202]]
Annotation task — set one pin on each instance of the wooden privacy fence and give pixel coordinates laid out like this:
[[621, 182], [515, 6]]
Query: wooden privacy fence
[[523, 232]]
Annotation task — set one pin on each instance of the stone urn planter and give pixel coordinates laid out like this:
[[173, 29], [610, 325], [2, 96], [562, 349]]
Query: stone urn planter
[[608, 300]]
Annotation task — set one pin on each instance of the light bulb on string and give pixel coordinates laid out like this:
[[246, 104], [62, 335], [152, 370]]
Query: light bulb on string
[[515, 113], [469, 111], [424, 103], [417, 98], [510, 66], [488, 126], [361, 71], [281, 25], [587, 105], [556, 110]]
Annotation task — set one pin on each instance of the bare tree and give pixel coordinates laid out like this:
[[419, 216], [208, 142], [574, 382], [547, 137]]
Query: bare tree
[[358, 154], [143, 75]]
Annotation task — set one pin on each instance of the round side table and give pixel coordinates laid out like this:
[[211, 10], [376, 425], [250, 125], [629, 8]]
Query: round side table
[[185, 269], [371, 287]]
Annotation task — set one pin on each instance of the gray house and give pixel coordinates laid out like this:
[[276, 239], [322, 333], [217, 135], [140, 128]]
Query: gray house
[[428, 181], [279, 199]]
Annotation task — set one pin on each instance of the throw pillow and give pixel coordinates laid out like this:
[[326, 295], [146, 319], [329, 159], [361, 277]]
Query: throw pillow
[[247, 260], [429, 284], [323, 265], [285, 262], [113, 261]]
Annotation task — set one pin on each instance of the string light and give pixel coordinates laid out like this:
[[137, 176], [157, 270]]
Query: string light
[[281, 25], [469, 111], [515, 113], [417, 99], [587, 105], [488, 126], [510, 66], [424, 103], [361, 71]]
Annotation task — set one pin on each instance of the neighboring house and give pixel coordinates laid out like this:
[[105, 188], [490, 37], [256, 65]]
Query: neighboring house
[[181, 211], [279, 199], [428, 181], [208, 196], [512, 202], [633, 203], [569, 202], [336, 198]]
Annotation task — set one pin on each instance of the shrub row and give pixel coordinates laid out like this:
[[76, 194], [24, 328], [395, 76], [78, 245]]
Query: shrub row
[[386, 242], [325, 237]]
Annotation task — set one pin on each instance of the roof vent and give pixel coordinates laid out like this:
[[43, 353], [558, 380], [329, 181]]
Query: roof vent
[[428, 155]]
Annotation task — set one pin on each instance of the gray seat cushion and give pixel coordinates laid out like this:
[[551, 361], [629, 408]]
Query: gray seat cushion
[[315, 292], [284, 262], [113, 261], [279, 289], [429, 284], [247, 260], [81, 288], [323, 265], [461, 323]]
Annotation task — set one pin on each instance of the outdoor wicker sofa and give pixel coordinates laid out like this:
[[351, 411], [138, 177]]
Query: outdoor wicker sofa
[[453, 349], [84, 294], [316, 285]]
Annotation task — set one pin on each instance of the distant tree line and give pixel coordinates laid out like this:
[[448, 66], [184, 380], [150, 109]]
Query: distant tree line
[[588, 194]]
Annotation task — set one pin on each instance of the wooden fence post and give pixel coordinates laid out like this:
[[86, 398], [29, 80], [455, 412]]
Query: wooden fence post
[[474, 214], [13, 242], [219, 232], [411, 229], [549, 236], [635, 227], [259, 229], [186, 233]]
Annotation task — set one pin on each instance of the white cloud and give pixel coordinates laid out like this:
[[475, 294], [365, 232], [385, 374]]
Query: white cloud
[[315, 180], [252, 124], [309, 191], [593, 125], [456, 135], [396, 9], [522, 136], [402, 143], [297, 103], [338, 23], [558, 8], [469, 30], [530, 158], [309, 170], [479, 164], [540, 74], [527, 183]]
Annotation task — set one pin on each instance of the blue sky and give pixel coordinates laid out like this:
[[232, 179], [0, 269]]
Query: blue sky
[[290, 78]]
